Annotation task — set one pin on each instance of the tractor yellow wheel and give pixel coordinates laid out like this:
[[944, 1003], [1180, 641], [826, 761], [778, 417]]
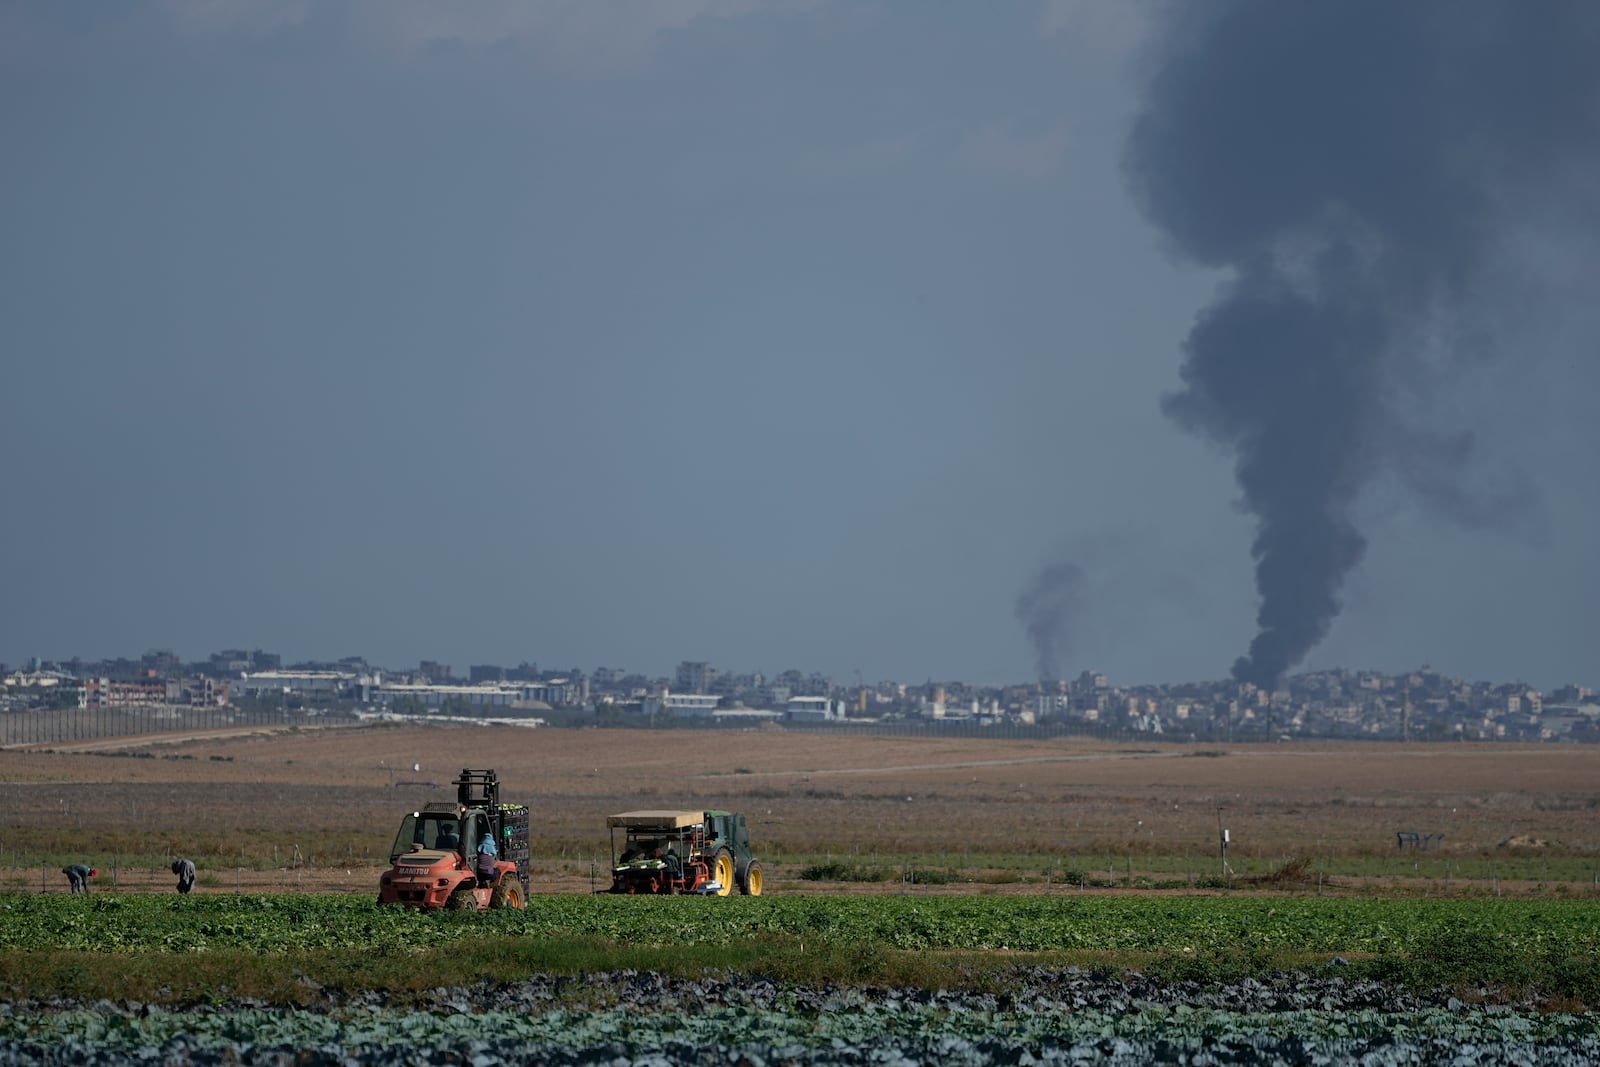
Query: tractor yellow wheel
[[722, 871], [751, 883]]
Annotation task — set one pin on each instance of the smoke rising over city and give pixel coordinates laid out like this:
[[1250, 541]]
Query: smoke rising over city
[[609, 334], [1353, 169], [1048, 610]]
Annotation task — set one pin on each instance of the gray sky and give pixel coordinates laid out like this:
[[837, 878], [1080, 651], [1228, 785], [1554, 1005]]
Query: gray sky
[[788, 334]]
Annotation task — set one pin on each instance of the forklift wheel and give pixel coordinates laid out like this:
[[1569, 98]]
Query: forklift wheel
[[508, 894]]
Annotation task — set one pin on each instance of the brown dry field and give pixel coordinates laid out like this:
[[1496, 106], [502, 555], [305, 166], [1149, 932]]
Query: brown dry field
[[240, 803]]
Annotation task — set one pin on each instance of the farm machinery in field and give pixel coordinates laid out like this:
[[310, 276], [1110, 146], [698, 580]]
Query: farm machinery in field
[[666, 852], [469, 855]]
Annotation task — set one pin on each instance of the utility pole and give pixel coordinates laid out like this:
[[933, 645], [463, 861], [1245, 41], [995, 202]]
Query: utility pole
[[1405, 711], [1222, 845]]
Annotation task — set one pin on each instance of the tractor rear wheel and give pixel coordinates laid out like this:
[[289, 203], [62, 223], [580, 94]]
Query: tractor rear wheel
[[722, 871], [462, 899], [508, 894], [750, 884]]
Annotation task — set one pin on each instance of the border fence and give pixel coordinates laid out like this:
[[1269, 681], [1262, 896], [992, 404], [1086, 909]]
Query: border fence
[[74, 725]]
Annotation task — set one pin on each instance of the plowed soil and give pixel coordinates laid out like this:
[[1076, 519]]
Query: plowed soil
[[316, 809]]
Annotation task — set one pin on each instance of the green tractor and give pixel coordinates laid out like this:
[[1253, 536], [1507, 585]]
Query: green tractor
[[469, 855], [669, 852]]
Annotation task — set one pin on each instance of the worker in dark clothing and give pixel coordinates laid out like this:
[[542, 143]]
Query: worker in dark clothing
[[184, 869], [78, 876]]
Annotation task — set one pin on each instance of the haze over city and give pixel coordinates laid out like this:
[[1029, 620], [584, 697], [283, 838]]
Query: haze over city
[[925, 341]]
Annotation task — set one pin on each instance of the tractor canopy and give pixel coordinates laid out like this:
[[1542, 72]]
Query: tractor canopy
[[662, 821]]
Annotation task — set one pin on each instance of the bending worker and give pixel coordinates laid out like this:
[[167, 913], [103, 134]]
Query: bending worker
[[184, 869], [78, 875]]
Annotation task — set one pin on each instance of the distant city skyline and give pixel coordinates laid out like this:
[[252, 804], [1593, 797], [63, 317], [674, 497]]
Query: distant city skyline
[[461, 669], [233, 687], [804, 333]]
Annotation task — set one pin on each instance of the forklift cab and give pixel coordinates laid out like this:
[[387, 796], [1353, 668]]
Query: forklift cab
[[475, 828], [428, 830]]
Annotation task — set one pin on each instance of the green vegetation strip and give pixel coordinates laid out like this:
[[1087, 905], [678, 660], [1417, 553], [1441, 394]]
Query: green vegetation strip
[[276, 923], [180, 947]]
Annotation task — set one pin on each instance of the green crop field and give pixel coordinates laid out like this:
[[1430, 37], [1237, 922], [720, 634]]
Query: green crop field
[[815, 980], [1203, 924], [1513, 942]]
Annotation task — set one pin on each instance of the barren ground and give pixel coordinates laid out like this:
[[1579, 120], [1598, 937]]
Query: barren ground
[[242, 803]]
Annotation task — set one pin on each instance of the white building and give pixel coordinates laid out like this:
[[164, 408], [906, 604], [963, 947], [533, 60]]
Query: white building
[[680, 705], [813, 709], [482, 695], [309, 683]]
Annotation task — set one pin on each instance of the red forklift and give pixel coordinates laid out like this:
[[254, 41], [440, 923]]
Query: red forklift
[[470, 855]]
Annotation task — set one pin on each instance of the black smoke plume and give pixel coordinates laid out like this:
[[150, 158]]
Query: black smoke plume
[[1048, 609], [1353, 167]]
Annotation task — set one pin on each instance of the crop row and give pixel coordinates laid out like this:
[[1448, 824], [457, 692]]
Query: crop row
[[1201, 924], [873, 1023]]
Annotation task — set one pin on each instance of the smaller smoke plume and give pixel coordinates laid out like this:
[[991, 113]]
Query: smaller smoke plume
[[1048, 609]]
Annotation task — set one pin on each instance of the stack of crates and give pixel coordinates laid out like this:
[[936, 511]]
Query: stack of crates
[[513, 819]]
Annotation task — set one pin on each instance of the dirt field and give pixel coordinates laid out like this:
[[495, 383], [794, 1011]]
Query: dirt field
[[243, 804]]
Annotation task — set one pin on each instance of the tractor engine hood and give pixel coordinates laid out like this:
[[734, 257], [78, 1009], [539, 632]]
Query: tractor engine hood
[[427, 859]]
